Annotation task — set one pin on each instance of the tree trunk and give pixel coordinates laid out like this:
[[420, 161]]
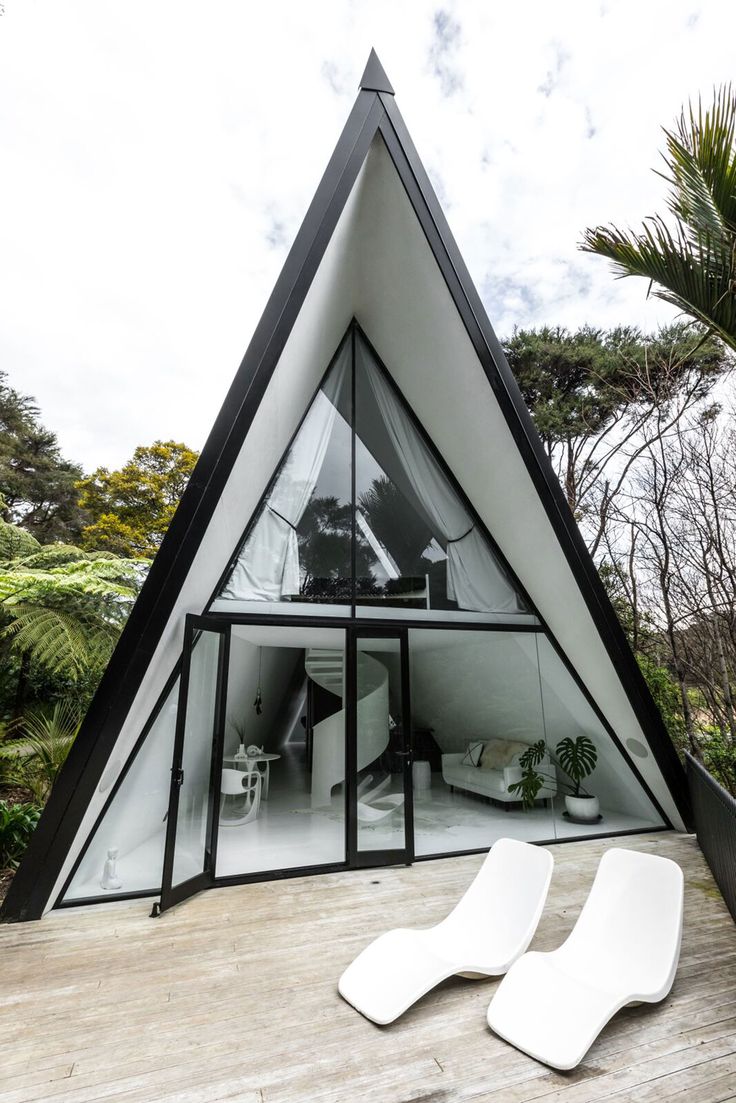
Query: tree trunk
[[22, 685]]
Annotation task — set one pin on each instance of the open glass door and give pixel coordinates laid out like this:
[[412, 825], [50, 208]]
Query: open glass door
[[379, 746], [189, 856]]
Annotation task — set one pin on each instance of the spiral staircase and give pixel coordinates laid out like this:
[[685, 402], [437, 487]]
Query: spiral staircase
[[327, 669]]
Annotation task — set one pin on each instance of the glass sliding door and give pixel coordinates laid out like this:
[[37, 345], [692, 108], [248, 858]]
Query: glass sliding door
[[380, 750], [194, 795], [477, 704]]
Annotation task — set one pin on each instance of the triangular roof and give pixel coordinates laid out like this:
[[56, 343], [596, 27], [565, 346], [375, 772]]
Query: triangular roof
[[374, 116]]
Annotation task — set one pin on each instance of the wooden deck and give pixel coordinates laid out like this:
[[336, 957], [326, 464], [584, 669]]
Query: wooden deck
[[232, 997]]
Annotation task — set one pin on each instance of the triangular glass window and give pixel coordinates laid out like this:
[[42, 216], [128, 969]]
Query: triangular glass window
[[362, 512]]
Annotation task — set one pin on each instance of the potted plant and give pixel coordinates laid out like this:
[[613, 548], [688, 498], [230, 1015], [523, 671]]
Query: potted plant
[[576, 759]]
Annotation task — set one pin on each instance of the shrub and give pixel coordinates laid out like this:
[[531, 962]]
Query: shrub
[[34, 759], [17, 824]]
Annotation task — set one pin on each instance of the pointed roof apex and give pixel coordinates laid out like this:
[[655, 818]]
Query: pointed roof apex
[[374, 77]]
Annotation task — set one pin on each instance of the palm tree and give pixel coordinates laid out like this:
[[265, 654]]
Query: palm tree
[[690, 258]]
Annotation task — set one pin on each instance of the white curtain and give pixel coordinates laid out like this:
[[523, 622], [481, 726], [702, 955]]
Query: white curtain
[[474, 579], [268, 565]]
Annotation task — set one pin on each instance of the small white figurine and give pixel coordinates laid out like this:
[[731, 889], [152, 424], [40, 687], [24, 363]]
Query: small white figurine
[[110, 879]]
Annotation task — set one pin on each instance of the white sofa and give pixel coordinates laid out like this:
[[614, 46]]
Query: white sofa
[[494, 782]]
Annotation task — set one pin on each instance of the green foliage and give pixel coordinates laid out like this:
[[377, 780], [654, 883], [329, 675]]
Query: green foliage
[[719, 757], [531, 782], [666, 693], [36, 756], [564, 378], [17, 824], [691, 256], [65, 608], [15, 542], [130, 510], [578, 384], [578, 758], [575, 757], [37, 485]]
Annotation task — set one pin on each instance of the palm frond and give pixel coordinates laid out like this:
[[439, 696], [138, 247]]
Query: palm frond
[[695, 278], [693, 264]]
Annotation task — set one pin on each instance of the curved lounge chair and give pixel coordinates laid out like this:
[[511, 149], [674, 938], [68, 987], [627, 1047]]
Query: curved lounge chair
[[376, 804], [490, 926], [383, 807], [623, 949]]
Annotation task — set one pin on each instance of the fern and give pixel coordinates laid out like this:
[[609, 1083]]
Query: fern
[[66, 608]]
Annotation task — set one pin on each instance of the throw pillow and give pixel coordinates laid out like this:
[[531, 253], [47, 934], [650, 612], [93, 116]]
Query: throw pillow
[[472, 755], [498, 753]]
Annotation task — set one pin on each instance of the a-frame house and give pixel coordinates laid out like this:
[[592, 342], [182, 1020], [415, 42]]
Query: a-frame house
[[372, 597]]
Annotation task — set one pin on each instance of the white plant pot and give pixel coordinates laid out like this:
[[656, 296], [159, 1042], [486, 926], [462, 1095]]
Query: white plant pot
[[586, 809]]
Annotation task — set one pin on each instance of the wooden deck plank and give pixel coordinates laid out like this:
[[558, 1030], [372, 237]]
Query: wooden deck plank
[[232, 997]]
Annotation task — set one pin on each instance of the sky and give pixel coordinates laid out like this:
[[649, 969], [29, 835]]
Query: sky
[[157, 157]]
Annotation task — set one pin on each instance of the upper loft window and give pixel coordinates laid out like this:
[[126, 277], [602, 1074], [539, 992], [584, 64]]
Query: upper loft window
[[362, 513]]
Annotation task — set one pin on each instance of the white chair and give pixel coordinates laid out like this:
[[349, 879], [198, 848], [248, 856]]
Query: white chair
[[623, 949], [245, 785], [490, 926]]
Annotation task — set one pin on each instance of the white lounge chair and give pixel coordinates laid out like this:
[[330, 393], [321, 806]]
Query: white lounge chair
[[623, 949], [490, 926]]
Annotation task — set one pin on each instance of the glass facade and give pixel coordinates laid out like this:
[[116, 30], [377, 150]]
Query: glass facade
[[133, 827], [362, 515], [479, 699], [191, 839], [298, 549], [360, 522]]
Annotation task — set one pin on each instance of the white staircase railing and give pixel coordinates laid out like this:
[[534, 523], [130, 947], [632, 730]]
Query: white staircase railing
[[327, 669]]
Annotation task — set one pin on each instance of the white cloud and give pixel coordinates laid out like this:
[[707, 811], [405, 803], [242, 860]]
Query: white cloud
[[158, 157]]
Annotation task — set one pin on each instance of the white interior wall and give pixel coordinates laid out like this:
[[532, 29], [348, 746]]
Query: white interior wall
[[480, 687], [277, 667]]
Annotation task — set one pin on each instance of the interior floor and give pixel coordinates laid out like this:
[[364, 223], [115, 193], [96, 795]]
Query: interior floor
[[288, 833]]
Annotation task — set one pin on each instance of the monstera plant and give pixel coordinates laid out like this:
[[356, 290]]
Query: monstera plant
[[576, 759]]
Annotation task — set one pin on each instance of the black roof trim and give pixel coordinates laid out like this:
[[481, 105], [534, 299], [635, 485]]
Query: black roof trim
[[374, 111], [374, 77]]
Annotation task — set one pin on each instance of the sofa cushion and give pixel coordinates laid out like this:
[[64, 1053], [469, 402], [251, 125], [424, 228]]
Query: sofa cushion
[[498, 753]]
